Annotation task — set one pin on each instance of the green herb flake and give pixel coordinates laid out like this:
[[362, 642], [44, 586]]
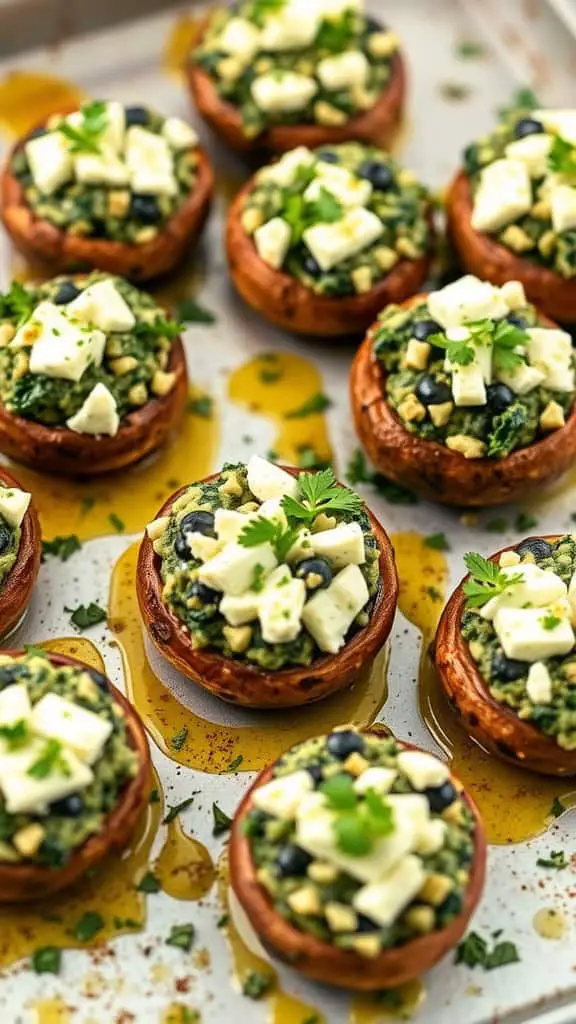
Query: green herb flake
[[179, 739], [262, 531], [437, 541], [49, 761], [454, 92], [525, 521], [149, 883], [222, 921], [46, 960], [61, 547], [86, 505], [15, 735], [256, 984], [550, 621], [470, 49], [88, 926], [201, 407], [181, 936], [190, 312], [17, 304], [86, 136], [496, 525], [316, 404], [562, 158], [154, 797], [222, 823], [320, 492], [85, 616], [175, 809], [557, 860], [270, 376], [474, 952], [235, 764], [116, 522], [339, 792], [557, 808]]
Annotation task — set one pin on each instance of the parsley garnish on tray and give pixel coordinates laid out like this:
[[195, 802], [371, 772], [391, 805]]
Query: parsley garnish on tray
[[256, 984], [46, 960], [437, 541], [86, 615], [474, 952], [190, 312], [85, 137], [181, 936], [179, 739], [317, 403], [487, 581], [222, 822], [557, 807], [149, 883], [174, 811], [88, 926], [358, 472], [61, 547], [557, 859], [201, 406]]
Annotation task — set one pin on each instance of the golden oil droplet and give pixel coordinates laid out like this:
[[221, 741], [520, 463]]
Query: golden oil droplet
[[394, 1004], [493, 784], [184, 866], [550, 923], [181, 39], [27, 98], [178, 1013], [51, 1011]]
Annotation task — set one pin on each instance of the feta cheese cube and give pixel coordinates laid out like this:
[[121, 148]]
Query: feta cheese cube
[[272, 241], [537, 588], [504, 193], [179, 134], [281, 797], [563, 203], [241, 608], [150, 163], [421, 769], [524, 636], [550, 351], [293, 27], [532, 151], [383, 901], [102, 305], [539, 684], [513, 294], [266, 480], [25, 794], [203, 547], [98, 415], [315, 834], [282, 91], [281, 605], [50, 162], [228, 524], [344, 545], [104, 168], [61, 346], [468, 386], [559, 121], [376, 778], [330, 244], [240, 38], [329, 613], [85, 732], [345, 70], [466, 299], [347, 188], [522, 379], [285, 170], [15, 704], [14, 504], [231, 571]]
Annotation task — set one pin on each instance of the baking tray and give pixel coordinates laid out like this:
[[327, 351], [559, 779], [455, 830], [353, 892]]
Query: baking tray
[[129, 973]]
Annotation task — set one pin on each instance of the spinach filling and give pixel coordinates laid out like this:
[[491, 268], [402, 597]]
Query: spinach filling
[[283, 867], [350, 31], [71, 821], [9, 546], [531, 236], [105, 211], [397, 199], [499, 430], [197, 606], [133, 367], [506, 679]]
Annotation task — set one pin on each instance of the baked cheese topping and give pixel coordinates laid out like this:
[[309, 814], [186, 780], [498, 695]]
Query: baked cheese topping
[[83, 352], [338, 218], [520, 627], [472, 368], [64, 757], [295, 61], [266, 566], [360, 841], [524, 186], [108, 171]]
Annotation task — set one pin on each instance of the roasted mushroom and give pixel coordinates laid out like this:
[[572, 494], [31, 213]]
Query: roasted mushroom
[[319, 241], [512, 208], [466, 395], [118, 188], [267, 587], [75, 770], [20, 552], [358, 859], [92, 375], [305, 75], [505, 653]]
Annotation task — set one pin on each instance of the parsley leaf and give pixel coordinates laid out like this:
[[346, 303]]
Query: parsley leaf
[[235, 764], [317, 403], [88, 926], [506, 429], [523, 99], [487, 581], [46, 960], [256, 984], [300, 213], [85, 616], [339, 792], [335, 34], [320, 493], [15, 735], [525, 521], [49, 761], [182, 936], [260, 531], [550, 621], [116, 522], [189, 312], [437, 541], [85, 137], [222, 822], [557, 859], [461, 353], [149, 883], [161, 327], [262, 9], [562, 157], [557, 807], [201, 406], [474, 952], [61, 547], [179, 739], [17, 303], [470, 48], [174, 810]]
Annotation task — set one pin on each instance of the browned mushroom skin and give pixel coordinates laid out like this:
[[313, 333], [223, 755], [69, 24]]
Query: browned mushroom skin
[[59, 251], [377, 125], [241, 683], [60, 450], [287, 302], [434, 470], [488, 259], [497, 728], [326, 963], [23, 883], [16, 591]]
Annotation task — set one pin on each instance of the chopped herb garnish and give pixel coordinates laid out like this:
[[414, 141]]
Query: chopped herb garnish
[[87, 504], [35, 652], [49, 761], [160, 327], [308, 458], [116, 522], [474, 952], [190, 312], [149, 883], [470, 48], [88, 926], [358, 823], [525, 521], [557, 808], [261, 531], [506, 340], [258, 577], [256, 984], [557, 859], [46, 960], [17, 304], [496, 525], [235, 764], [61, 547], [437, 541], [181, 936], [222, 822], [487, 581], [201, 407], [320, 493], [16, 735], [174, 811], [317, 403], [85, 137], [270, 376], [179, 739], [222, 921], [434, 594], [300, 213], [154, 797], [562, 157], [456, 91], [550, 621], [88, 615]]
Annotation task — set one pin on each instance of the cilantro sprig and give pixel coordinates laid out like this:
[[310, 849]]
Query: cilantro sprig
[[15, 735], [506, 339], [17, 303], [49, 761], [562, 157], [86, 136], [260, 531], [320, 492], [301, 213], [487, 580], [358, 823]]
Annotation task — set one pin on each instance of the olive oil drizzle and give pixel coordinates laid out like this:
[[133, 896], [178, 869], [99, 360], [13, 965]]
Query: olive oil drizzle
[[393, 1004], [493, 784], [27, 98], [184, 867], [181, 38]]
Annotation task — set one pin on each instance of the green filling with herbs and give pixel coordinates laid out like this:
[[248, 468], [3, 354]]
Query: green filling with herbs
[[207, 627], [501, 433], [558, 718], [104, 211], [267, 835], [133, 367], [9, 545], [117, 764], [532, 235], [233, 78], [402, 207]]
